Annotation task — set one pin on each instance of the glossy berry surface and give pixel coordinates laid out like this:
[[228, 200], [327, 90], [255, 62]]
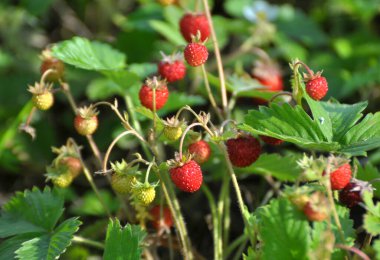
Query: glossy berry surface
[[187, 177], [190, 24], [201, 151], [243, 151], [340, 177], [172, 71], [86, 126], [195, 54], [317, 88], [146, 96]]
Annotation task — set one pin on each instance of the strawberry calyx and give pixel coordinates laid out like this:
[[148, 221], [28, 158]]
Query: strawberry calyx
[[177, 56], [179, 161], [197, 38], [88, 112], [122, 168], [174, 122], [155, 83], [40, 88], [335, 163], [311, 75]]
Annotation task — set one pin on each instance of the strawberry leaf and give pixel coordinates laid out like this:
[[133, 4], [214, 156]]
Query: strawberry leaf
[[284, 231], [291, 124], [84, 54], [372, 216], [31, 218], [282, 168], [123, 242]]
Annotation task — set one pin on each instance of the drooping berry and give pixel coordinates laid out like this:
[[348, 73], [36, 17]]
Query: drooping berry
[[243, 150], [190, 24], [146, 93], [86, 121], [49, 62], [172, 67], [73, 165], [351, 195], [173, 128], [340, 177], [187, 177], [43, 98], [124, 178], [200, 150], [196, 54], [144, 193]]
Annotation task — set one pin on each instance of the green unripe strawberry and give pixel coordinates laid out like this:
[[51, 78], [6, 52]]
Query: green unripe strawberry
[[173, 128], [123, 183], [63, 180], [144, 194], [43, 98]]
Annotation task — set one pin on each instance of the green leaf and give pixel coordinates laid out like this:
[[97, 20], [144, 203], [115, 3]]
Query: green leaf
[[368, 173], [287, 123], [363, 136], [50, 245], [31, 211], [84, 54], [284, 231], [372, 216], [169, 31], [10, 246], [282, 168], [123, 243], [376, 246]]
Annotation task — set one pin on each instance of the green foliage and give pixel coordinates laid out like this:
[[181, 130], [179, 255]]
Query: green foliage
[[123, 243], [372, 216], [31, 218], [284, 168], [84, 54], [284, 231]]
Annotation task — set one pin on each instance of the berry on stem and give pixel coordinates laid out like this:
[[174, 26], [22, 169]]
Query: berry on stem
[[185, 173], [72, 164], [340, 177], [172, 67], [43, 98], [316, 85], [191, 24], [146, 93], [195, 54], [161, 222], [200, 150], [243, 150], [316, 209], [49, 62], [173, 128], [144, 193], [86, 121], [351, 195], [124, 178]]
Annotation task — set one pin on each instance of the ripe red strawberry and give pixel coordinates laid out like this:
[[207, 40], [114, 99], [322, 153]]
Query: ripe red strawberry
[[190, 24], [317, 88], [86, 121], [73, 165], [187, 177], [49, 62], [161, 221], [243, 150], [201, 151], [271, 140], [196, 54], [146, 93], [351, 195], [43, 98], [340, 177], [172, 67]]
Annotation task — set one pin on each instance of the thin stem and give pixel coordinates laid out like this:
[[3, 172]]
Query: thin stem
[[106, 157], [354, 250], [225, 122], [46, 73], [184, 135], [309, 71], [209, 92], [94, 148], [218, 58], [66, 90], [215, 223], [89, 242], [30, 116], [238, 241], [147, 177], [224, 209]]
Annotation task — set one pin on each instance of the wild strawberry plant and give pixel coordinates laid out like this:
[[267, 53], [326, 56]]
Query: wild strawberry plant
[[307, 148]]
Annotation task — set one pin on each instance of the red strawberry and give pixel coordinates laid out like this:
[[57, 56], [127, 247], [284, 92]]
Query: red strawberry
[[187, 177], [146, 93], [274, 82], [172, 67], [351, 195], [49, 62], [190, 24], [201, 151], [243, 151], [317, 87], [271, 140], [195, 54], [86, 122], [340, 177], [161, 221]]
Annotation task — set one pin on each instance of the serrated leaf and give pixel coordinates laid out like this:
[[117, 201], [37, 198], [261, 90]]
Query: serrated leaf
[[284, 231], [51, 245], [287, 123], [372, 216], [368, 173], [282, 168], [10, 246], [84, 54], [363, 136], [30, 211], [123, 243]]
